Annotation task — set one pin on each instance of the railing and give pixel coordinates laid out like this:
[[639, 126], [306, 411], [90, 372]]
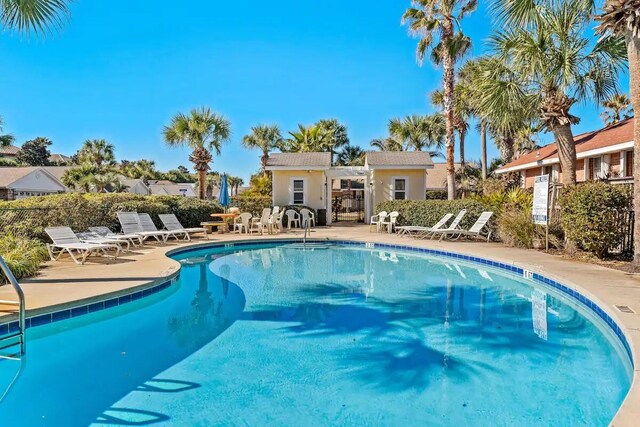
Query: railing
[[21, 309]]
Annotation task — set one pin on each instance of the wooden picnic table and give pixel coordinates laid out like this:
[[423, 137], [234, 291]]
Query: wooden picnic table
[[221, 223]]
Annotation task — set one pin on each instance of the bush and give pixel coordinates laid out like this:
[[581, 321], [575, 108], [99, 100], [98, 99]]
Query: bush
[[81, 211], [23, 255], [253, 204], [428, 212], [590, 215], [436, 195]]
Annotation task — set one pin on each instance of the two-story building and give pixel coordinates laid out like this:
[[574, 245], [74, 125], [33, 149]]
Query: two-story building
[[606, 153]]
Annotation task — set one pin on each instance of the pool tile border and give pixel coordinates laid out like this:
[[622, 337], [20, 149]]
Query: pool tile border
[[526, 274], [93, 306], [81, 310]]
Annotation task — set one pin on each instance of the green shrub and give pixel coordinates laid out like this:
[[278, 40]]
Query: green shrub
[[253, 204], [23, 256], [427, 212], [191, 212], [436, 195], [516, 228], [81, 211], [590, 215]]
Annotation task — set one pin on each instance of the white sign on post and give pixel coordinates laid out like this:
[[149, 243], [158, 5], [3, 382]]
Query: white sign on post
[[541, 200]]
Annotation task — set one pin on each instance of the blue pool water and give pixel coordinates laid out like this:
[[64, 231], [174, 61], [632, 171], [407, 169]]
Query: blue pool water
[[276, 335]]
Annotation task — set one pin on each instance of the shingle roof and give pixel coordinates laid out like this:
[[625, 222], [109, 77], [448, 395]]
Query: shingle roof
[[9, 150], [10, 175], [57, 171], [437, 177], [59, 158], [399, 158], [611, 135], [300, 159]]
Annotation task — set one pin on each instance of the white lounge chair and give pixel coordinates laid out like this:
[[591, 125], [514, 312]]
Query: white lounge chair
[[244, 223], [149, 226], [453, 227], [130, 223], [262, 223], [377, 220], [91, 237], [411, 230], [292, 218], [65, 240], [391, 223], [476, 230], [308, 217], [107, 233], [171, 223]]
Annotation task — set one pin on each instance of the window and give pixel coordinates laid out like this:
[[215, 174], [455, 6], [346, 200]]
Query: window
[[297, 191], [399, 186], [595, 168]]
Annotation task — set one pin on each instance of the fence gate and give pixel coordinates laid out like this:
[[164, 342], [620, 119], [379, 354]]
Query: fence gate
[[348, 207]]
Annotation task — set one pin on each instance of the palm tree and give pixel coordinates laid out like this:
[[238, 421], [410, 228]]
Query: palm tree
[[6, 139], [234, 183], [304, 140], [351, 155], [545, 46], [96, 152], [620, 19], [387, 144], [435, 19], [334, 135], [118, 187], [419, 132], [37, 16], [264, 138], [201, 130], [80, 178], [618, 107]]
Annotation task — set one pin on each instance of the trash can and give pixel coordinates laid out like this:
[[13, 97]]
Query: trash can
[[322, 217]]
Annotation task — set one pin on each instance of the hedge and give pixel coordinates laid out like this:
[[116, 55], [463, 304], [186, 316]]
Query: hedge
[[590, 215], [81, 211], [426, 213]]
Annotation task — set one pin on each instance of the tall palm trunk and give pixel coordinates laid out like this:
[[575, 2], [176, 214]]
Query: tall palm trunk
[[462, 135], [566, 153], [483, 148], [263, 162], [202, 183], [633, 52], [449, 82]]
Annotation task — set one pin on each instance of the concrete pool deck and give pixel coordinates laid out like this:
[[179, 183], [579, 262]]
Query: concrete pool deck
[[64, 284]]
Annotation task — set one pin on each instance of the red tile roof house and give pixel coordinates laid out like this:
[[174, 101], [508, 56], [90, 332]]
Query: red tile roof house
[[604, 153]]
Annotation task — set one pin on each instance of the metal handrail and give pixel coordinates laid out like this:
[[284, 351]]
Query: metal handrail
[[21, 309], [307, 229]]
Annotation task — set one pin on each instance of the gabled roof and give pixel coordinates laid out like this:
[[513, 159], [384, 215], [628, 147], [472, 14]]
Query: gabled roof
[[10, 175], [9, 150], [302, 160], [57, 171], [437, 177], [59, 158], [619, 133], [403, 159]]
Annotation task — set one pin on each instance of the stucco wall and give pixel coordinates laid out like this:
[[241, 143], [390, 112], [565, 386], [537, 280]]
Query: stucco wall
[[314, 187], [382, 183], [37, 181]]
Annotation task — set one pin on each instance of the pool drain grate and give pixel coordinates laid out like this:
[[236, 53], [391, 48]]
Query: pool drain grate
[[624, 309]]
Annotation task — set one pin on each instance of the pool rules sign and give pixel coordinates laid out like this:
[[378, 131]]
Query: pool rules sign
[[540, 209], [541, 200]]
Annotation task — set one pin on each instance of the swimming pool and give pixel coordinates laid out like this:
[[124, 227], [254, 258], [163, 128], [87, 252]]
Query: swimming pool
[[272, 334]]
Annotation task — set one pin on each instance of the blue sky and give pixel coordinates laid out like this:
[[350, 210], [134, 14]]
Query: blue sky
[[121, 69]]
